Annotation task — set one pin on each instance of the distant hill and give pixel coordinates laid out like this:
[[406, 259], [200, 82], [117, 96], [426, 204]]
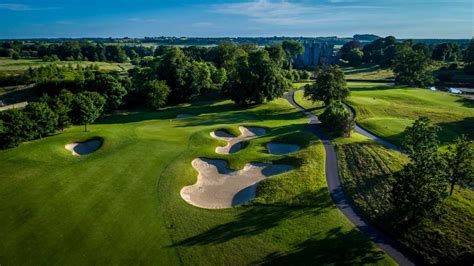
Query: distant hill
[[366, 37]]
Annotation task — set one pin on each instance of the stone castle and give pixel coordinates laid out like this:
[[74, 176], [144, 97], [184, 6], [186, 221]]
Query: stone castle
[[316, 54]]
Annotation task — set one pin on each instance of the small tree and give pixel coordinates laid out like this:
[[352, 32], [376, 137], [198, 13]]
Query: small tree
[[330, 86], [461, 163], [354, 57], [338, 119], [110, 88], [420, 187], [87, 107], [156, 93], [45, 121], [62, 105]]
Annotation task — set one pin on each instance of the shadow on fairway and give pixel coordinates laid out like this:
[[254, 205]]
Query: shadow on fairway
[[334, 247], [466, 102], [255, 220]]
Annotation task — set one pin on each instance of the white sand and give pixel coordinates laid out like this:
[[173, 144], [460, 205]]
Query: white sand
[[281, 148], [218, 187], [182, 116], [84, 148], [235, 143]]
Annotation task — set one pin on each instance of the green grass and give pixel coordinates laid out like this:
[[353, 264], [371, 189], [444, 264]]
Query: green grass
[[10, 66], [121, 204], [387, 111], [297, 85], [316, 108], [365, 170], [368, 72]]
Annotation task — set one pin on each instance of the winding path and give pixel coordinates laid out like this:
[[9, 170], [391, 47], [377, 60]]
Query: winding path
[[340, 199]]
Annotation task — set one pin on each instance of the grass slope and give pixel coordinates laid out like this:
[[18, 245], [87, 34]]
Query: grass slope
[[121, 204], [387, 111], [365, 170], [368, 72]]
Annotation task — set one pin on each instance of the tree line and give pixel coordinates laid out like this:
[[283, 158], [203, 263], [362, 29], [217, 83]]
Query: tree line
[[245, 74]]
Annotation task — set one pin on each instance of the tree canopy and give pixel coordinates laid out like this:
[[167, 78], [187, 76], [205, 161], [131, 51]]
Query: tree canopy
[[330, 85]]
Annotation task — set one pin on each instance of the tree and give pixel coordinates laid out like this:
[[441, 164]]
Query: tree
[[109, 87], [172, 69], [115, 53], [348, 47], [338, 119], [255, 80], [62, 105], [446, 52], [411, 67], [292, 50], [420, 187], [277, 54], [45, 121], [381, 51], [198, 79], [225, 55], [461, 162], [156, 93], [469, 58], [354, 57], [330, 85], [87, 107], [17, 127]]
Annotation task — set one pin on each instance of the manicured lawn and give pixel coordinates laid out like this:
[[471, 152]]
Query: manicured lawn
[[121, 204], [365, 170], [10, 66], [387, 111], [368, 72]]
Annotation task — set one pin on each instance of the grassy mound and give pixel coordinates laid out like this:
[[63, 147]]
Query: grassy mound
[[365, 170], [121, 204]]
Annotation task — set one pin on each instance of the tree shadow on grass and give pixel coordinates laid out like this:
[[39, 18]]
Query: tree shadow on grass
[[452, 130], [254, 220], [194, 109], [335, 246], [466, 102]]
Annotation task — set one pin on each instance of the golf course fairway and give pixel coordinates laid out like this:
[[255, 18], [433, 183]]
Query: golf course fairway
[[121, 204]]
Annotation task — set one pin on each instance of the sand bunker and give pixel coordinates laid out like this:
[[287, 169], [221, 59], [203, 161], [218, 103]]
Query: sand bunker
[[235, 143], [84, 148], [182, 116], [218, 187], [281, 148]]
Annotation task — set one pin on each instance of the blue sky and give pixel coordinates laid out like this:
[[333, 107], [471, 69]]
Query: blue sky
[[139, 18]]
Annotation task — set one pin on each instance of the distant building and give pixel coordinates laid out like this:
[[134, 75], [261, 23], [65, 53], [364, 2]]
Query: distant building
[[316, 54]]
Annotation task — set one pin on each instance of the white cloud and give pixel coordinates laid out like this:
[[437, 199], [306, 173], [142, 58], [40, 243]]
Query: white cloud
[[287, 13], [202, 24], [22, 7], [148, 20]]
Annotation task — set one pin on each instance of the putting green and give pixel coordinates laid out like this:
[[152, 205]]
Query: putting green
[[121, 204]]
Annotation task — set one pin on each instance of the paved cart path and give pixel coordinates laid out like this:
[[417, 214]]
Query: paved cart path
[[340, 199]]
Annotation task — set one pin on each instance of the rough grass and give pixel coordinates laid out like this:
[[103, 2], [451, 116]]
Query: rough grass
[[10, 66], [121, 204], [387, 111], [365, 170]]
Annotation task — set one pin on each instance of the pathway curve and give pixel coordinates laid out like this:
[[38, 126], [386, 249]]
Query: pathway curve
[[340, 199]]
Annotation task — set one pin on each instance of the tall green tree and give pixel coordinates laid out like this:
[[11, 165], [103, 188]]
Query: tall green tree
[[330, 85], [156, 93], [62, 105], [420, 187], [255, 80], [411, 67], [110, 88], [172, 68], [87, 107], [45, 121], [461, 163], [277, 54], [292, 50], [17, 127]]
